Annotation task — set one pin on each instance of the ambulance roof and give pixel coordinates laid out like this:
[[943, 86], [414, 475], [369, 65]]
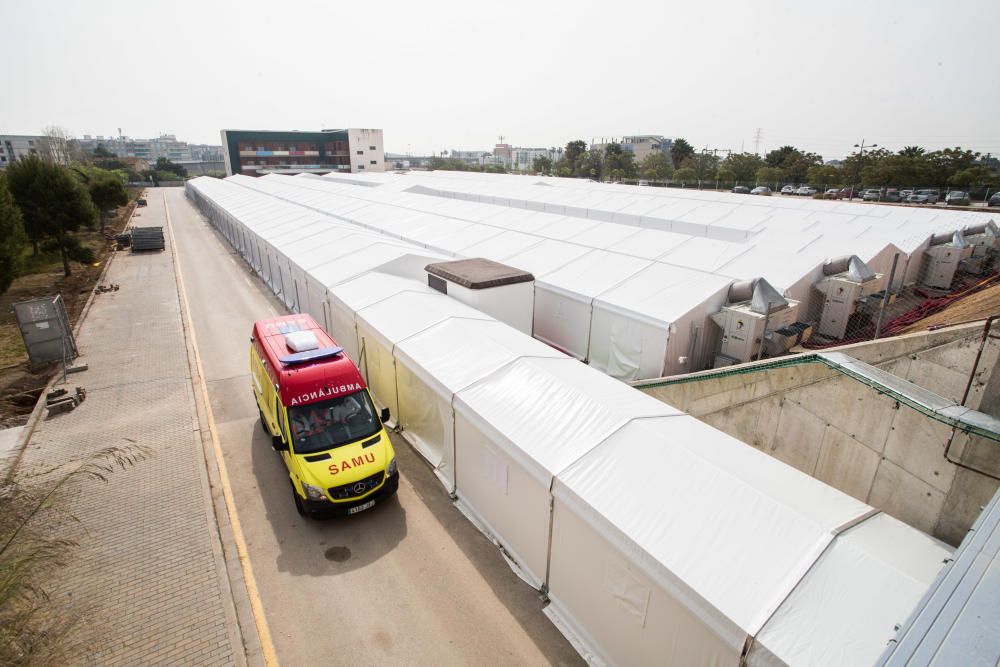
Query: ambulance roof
[[307, 381]]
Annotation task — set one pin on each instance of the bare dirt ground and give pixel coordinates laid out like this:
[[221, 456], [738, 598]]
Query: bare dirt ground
[[19, 385], [974, 307]]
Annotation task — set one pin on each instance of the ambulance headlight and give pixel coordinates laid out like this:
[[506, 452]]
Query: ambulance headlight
[[313, 492], [392, 468]]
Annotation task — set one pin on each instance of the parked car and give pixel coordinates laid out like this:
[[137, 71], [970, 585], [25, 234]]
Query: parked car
[[832, 193], [994, 200], [892, 196], [806, 191], [932, 195], [917, 198], [903, 194], [643, 183], [788, 190], [761, 190], [848, 193], [872, 194], [741, 190], [957, 198]]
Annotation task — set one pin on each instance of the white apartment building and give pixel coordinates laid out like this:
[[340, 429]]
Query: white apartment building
[[15, 146]]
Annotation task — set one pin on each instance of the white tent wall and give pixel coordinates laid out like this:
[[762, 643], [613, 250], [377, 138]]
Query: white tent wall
[[562, 319], [516, 430]]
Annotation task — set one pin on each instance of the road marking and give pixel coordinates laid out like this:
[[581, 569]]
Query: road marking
[[256, 605]]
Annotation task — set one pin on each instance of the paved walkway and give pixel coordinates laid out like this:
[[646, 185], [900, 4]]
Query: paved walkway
[[149, 568]]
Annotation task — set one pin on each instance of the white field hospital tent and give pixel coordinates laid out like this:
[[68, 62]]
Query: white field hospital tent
[[659, 539], [675, 544]]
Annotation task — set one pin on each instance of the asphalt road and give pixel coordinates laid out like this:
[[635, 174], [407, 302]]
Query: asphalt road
[[408, 582]]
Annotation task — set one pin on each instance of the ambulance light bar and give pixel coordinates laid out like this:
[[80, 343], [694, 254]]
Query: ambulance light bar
[[310, 355]]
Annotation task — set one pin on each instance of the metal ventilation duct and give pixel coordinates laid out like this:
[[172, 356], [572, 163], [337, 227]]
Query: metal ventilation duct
[[762, 296]]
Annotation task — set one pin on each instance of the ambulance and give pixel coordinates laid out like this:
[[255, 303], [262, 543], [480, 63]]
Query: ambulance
[[322, 421]]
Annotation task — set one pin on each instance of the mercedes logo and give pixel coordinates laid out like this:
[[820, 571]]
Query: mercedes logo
[[360, 488]]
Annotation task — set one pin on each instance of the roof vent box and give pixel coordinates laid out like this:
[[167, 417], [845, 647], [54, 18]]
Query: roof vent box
[[501, 291], [301, 341]]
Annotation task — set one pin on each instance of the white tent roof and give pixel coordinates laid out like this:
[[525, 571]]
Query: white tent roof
[[457, 352], [881, 561], [665, 293], [400, 316], [549, 412], [737, 527], [593, 273]]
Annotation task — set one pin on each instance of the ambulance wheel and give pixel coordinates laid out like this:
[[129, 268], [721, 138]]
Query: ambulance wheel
[[300, 506]]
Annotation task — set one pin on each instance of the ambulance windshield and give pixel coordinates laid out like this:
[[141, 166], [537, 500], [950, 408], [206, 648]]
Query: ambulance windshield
[[337, 421]]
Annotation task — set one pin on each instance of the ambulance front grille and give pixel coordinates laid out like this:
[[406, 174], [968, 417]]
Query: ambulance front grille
[[355, 489]]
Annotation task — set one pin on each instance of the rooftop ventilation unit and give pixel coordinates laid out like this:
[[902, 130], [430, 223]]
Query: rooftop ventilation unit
[[846, 282], [301, 341], [985, 241], [944, 255], [501, 291], [754, 314]]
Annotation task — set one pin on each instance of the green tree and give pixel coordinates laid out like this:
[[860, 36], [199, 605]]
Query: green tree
[[742, 166], [656, 166], [793, 162], [685, 175], [704, 165], [591, 165], [101, 151], [107, 192], [12, 237], [569, 163], [163, 164], [617, 159], [54, 205], [976, 175], [824, 174], [769, 176], [945, 164], [680, 150], [542, 164]]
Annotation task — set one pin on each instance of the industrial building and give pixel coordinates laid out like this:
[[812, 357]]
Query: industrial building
[[259, 152], [714, 553]]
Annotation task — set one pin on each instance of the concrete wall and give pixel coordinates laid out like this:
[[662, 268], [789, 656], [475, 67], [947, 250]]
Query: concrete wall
[[862, 442]]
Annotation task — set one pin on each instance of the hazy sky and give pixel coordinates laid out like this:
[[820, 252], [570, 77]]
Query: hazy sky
[[457, 75]]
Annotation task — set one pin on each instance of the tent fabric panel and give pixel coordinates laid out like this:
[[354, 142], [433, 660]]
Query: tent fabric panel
[[561, 321], [619, 613], [427, 422], [506, 498], [742, 493], [881, 561]]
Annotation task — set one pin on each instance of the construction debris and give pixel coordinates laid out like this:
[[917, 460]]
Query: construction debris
[[60, 400]]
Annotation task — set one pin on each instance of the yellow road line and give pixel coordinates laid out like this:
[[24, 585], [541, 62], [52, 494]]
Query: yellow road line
[[256, 605]]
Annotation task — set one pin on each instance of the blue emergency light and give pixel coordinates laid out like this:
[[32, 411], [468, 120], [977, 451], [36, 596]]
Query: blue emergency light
[[310, 355]]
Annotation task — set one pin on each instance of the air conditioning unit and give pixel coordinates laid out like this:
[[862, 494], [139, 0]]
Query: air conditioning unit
[[753, 306], [848, 281], [944, 255], [985, 242]]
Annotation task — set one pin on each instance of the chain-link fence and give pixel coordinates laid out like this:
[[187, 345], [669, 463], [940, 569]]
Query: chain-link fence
[[897, 292]]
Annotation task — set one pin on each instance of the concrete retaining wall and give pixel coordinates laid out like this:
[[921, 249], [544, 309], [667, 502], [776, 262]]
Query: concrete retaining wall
[[862, 442]]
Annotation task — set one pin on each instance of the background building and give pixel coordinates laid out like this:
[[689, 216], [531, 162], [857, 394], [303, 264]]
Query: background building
[[640, 145], [165, 146], [14, 146], [258, 152]]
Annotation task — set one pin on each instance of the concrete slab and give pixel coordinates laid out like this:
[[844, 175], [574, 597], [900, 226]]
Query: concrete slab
[[798, 438], [846, 464], [896, 491], [916, 443], [9, 438]]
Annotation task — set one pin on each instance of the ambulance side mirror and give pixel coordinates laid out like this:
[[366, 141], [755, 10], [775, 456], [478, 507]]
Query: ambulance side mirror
[[384, 415], [279, 444]]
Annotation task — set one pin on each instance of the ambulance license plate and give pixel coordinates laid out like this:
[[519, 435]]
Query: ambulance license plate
[[361, 508]]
